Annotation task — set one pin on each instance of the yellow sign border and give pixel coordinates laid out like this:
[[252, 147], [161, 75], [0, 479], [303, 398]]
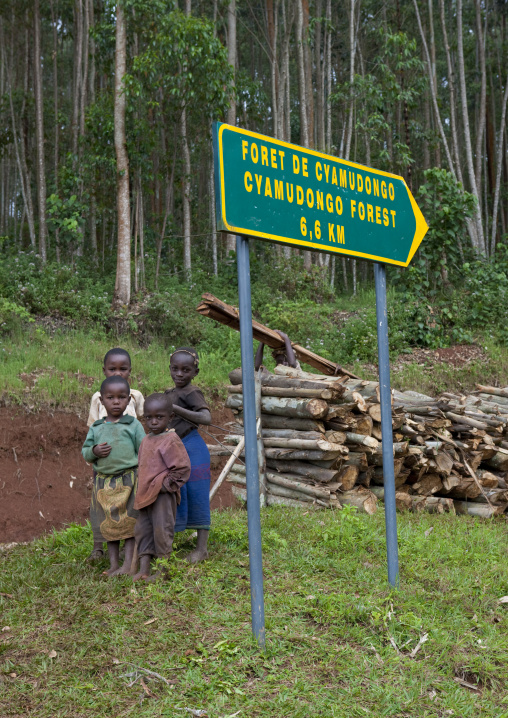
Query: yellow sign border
[[419, 219]]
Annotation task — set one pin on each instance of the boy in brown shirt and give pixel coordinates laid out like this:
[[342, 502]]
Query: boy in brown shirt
[[163, 469]]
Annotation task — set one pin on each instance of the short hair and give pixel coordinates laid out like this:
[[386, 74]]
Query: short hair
[[186, 350], [117, 351], [162, 398], [110, 380]]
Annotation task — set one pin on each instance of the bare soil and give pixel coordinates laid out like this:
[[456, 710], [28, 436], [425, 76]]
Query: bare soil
[[45, 482], [456, 356]]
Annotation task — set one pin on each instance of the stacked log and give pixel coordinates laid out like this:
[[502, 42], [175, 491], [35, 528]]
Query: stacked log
[[322, 442]]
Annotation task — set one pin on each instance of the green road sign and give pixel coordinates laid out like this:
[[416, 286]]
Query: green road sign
[[285, 193]]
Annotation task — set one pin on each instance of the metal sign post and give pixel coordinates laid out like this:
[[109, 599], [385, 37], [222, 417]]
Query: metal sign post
[[385, 398], [251, 448]]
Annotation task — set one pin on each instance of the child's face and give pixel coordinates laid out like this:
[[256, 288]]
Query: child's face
[[157, 416], [117, 365], [115, 400], [182, 369]]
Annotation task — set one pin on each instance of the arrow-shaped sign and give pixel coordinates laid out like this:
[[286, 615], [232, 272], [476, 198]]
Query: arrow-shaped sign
[[284, 193]]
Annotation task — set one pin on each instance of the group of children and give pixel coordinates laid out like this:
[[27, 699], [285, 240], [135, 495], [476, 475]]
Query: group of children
[[147, 486]]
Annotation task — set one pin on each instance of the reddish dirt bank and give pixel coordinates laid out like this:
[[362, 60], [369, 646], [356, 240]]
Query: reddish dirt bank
[[44, 481]]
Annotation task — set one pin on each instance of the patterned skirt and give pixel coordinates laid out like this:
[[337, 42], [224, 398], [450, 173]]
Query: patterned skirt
[[111, 509], [194, 509]]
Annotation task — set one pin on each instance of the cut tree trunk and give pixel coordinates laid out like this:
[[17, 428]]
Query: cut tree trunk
[[299, 408]]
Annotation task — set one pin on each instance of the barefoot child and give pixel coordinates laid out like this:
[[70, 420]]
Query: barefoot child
[[190, 408], [117, 362], [164, 467], [112, 446]]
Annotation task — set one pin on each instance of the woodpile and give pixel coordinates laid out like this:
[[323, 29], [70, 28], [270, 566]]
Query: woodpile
[[322, 445]]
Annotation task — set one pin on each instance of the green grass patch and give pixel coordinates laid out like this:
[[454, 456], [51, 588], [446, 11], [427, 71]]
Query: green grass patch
[[439, 377], [331, 624], [63, 370]]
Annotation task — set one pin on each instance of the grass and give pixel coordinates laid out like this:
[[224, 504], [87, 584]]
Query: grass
[[330, 618], [437, 378], [61, 371]]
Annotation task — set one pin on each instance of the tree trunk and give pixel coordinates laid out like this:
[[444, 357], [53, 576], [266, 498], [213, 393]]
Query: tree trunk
[[186, 201], [451, 85], [123, 268], [480, 243], [433, 93], [320, 95], [483, 98], [499, 168], [309, 99], [39, 133], [19, 152], [230, 238], [78, 58], [304, 126], [352, 53], [329, 83]]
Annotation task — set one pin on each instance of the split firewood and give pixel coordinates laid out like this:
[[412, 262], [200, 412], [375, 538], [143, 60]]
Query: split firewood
[[284, 486], [364, 500], [282, 443], [348, 476], [499, 461], [403, 501], [300, 408], [305, 469], [361, 440], [272, 500], [271, 421], [289, 392], [494, 390], [433, 504], [477, 509], [335, 437], [268, 379], [428, 485], [305, 454]]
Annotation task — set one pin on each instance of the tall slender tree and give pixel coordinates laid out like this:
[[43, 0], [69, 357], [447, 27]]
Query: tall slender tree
[[123, 265]]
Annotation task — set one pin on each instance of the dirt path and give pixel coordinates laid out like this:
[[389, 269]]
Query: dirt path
[[44, 480]]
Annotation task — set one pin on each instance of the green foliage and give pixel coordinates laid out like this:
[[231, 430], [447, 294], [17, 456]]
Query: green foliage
[[12, 316], [189, 43], [447, 208], [55, 289], [66, 217]]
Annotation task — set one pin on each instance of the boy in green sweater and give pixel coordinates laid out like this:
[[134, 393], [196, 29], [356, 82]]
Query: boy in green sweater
[[112, 446]]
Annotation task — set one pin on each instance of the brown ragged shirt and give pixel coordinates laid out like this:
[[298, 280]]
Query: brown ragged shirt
[[163, 465], [188, 397]]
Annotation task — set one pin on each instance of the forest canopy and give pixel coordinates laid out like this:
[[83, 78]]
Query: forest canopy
[[106, 113]]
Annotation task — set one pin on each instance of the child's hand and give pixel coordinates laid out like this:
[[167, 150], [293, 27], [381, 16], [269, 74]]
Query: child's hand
[[102, 450]]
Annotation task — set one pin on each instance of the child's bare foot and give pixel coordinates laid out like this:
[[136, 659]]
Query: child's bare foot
[[114, 563], [111, 571], [144, 569], [197, 556], [96, 555], [200, 553], [139, 576], [122, 571], [163, 574]]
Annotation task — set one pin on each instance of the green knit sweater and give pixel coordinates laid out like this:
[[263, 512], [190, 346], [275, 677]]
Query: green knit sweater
[[124, 436]]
